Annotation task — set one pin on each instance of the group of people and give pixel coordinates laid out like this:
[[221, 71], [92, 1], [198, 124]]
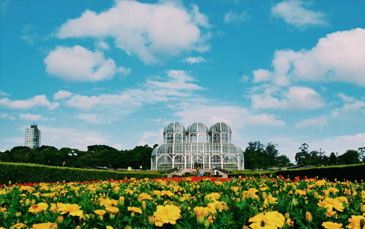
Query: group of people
[[200, 172]]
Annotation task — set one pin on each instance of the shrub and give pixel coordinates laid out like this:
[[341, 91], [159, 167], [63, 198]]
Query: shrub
[[31, 173]]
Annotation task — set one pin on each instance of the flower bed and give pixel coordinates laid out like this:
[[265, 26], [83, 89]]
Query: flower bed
[[184, 203]]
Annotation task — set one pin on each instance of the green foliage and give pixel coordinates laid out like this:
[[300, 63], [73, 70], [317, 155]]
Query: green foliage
[[343, 172], [31, 173], [259, 156], [96, 155]]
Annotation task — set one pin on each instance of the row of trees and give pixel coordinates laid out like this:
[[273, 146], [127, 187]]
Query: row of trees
[[315, 157], [256, 155], [96, 155], [259, 156]]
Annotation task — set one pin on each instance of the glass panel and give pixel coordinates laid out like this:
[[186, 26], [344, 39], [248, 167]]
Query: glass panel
[[170, 138], [193, 138], [164, 163], [216, 138], [178, 138], [225, 138]]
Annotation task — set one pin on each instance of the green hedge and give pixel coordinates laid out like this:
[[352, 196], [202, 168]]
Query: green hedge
[[344, 172], [32, 173], [250, 173]]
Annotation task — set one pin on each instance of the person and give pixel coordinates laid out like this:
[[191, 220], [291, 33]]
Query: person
[[201, 172], [215, 171]]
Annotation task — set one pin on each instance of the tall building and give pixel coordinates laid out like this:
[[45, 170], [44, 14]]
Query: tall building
[[197, 146], [32, 137]]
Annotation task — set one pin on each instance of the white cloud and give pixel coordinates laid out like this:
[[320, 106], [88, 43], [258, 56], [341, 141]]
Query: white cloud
[[194, 60], [31, 117], [350, 104], [317, 122], [7, 116], [151, 138], [37, 101], [61, 94], [3, 94], [95, 118], [345, 98], [80, 64], [147, 30], [294, 12], [231, 17], [339, 56], [296, 98], [245, 78], [177, 85], [235, 116], [71, 137], [265, 120]]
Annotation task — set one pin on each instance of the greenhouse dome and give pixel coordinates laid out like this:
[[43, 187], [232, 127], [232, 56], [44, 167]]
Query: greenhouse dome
[[197, 146]]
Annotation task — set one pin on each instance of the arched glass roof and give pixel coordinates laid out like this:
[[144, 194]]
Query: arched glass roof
[[174, 127], [197, 127], [220, 127]]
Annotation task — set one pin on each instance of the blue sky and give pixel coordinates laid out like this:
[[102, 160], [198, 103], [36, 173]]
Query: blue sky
[[117, 72]]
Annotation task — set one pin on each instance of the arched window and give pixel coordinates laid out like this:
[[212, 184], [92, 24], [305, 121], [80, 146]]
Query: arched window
[[164, 163], [201, 138], [224, 138], [178, 138], [193, 138], [170, 138], [216, 138]]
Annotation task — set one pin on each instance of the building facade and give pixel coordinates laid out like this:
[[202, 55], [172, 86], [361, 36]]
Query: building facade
[[197, 146], [33, 137]]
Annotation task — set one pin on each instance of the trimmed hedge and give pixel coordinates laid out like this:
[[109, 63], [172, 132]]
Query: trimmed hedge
[[344, 172], [250, 173], [32, 173]]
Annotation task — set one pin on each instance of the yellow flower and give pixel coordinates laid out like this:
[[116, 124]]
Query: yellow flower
[[166, 214], [45, 226], [134, 209], [301, 192], [272, 219], [235, 189], [18, 225], [213, 196], [70, 208], [112, 210], [333, 190], [332, 225], [166, 193], [145, 196], [100, 212], [107, 202], [330, 204], [320, 183], [354, 221], [200, 214], [38, 207], [109, 227]]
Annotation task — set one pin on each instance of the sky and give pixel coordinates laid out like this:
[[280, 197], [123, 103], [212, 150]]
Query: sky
[[117, 72]]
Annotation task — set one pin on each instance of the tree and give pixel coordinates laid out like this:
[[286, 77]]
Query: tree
[[350, 157], [282, 161], [255, 156], [20, 154], [332, 159], [303, 157]]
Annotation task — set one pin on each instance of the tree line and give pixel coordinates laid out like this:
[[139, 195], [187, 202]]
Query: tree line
[[96, 155], [260, 156], [256, 156]]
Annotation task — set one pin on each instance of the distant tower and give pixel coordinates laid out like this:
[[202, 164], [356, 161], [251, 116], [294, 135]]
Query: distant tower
[[32, 137]]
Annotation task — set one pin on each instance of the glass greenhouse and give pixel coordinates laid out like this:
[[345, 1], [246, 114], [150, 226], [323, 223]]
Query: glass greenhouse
[[197, 146]]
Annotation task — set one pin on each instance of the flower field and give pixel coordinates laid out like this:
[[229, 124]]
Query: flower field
[[185, 203]]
